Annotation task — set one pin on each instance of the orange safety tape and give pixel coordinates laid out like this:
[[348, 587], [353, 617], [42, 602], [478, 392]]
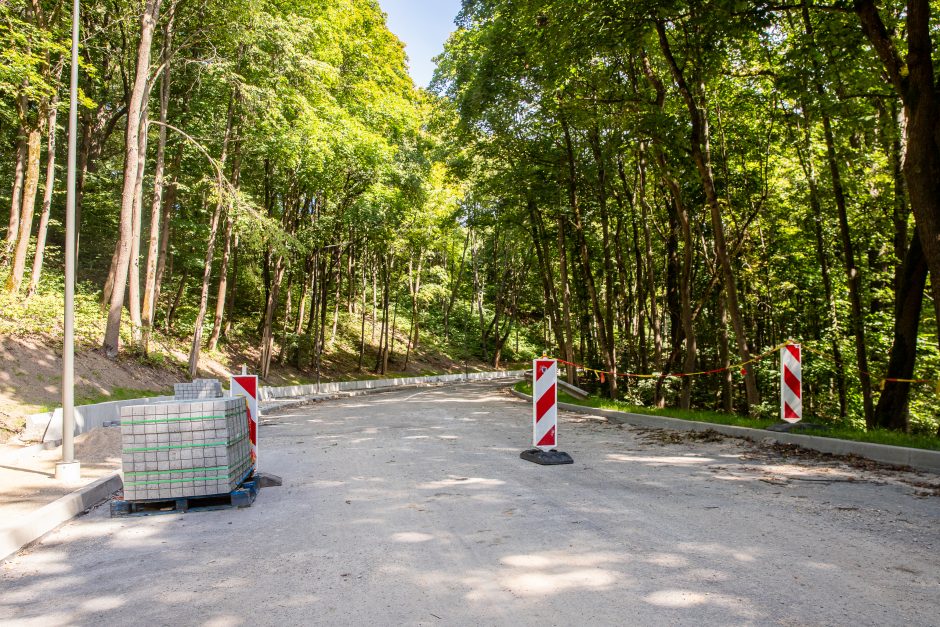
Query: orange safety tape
[[883, 380], [673, 375], [678, 375]]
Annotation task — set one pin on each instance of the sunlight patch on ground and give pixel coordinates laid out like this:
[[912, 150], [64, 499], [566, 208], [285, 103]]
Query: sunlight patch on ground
[[461, 481], [225, 621], [676, 598], [102, 604], [540, 584], [412, 537], [687, 599], [667, 560], [677, 461], [716, 549]]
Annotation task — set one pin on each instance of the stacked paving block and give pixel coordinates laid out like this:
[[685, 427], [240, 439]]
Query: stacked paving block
[[198, 389], [180, 449]]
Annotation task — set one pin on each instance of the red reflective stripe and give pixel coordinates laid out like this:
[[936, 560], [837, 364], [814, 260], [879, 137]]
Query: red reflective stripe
[[546, 402], [249, 384], [792, 382], [788, 411], [794, 350], [548, 439], [541, 367]]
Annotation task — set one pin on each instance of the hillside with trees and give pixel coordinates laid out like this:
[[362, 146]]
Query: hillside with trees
[[660, 193]]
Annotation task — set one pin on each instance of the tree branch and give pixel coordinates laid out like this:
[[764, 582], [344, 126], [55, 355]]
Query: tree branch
[[877, 33]]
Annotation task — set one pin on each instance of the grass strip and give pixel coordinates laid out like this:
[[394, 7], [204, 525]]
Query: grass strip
[[836, 431]]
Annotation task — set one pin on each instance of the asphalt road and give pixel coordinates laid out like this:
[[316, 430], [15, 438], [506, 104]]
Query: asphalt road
[[413, 508]]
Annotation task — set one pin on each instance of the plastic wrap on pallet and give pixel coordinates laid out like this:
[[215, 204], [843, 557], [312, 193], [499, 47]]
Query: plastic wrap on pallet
[[184, 448]]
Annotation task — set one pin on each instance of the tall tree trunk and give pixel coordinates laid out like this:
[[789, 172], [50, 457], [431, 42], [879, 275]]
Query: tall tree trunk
[[336, 297], [41, 234], [915, 81], [158, 212], [605, 342], [607, 321], [701, 157], [362, 330], [853, 273], [650, 270], [112, 336], [806, 157], [547, 276], [220, 300], [685, 285], [231, 290], [30, 189], [891, 412], [565, 329], [169, 201], [724, 355], [133, 284], [455, 287], [196, 347], [171, 310], [16, 195], [267, 336]]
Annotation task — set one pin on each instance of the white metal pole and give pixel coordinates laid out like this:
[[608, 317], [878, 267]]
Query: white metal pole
[[69, 468]]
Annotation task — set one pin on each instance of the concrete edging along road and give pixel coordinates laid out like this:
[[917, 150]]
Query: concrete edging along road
[[47, 426], [293, 391], [920, 459], [344, 389], [40, 522]]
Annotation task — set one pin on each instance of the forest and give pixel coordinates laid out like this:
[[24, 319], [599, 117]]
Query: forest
[[660, 194]]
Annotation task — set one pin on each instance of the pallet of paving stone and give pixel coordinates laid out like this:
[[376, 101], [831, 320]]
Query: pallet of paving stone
[[197, 389], [183, 449], [241, 497]]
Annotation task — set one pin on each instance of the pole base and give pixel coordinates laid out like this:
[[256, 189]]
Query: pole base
[[546, 458], [68, 472]]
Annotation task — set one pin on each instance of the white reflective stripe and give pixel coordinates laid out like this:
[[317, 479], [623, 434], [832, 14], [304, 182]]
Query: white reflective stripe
[[544, 383], [790, 363], [545, 425]]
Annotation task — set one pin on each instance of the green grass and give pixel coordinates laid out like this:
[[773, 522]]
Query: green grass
[[876, 436]]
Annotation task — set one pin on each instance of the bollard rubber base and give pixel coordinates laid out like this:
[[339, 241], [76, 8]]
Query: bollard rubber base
[[546, 458]]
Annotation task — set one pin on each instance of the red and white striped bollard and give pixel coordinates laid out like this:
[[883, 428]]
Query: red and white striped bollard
[[791, 383]]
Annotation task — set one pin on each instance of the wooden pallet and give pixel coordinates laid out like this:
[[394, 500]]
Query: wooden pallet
[[242, 496]]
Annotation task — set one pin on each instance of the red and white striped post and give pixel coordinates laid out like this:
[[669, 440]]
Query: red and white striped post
[[545, 415], [791, 383], [247, 385], [545, 404]]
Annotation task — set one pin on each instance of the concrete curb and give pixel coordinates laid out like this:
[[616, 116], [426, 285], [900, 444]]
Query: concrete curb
[[272, 406], [47, 426], [919, 459], [296, 391], [40, 522]]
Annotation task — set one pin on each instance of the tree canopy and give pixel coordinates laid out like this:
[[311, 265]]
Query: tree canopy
[[660, 194]]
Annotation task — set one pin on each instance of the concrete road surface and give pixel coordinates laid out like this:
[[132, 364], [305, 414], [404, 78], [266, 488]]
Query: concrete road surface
[[413, 508]]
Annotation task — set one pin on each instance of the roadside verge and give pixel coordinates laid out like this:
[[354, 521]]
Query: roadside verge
[[919, 459]]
